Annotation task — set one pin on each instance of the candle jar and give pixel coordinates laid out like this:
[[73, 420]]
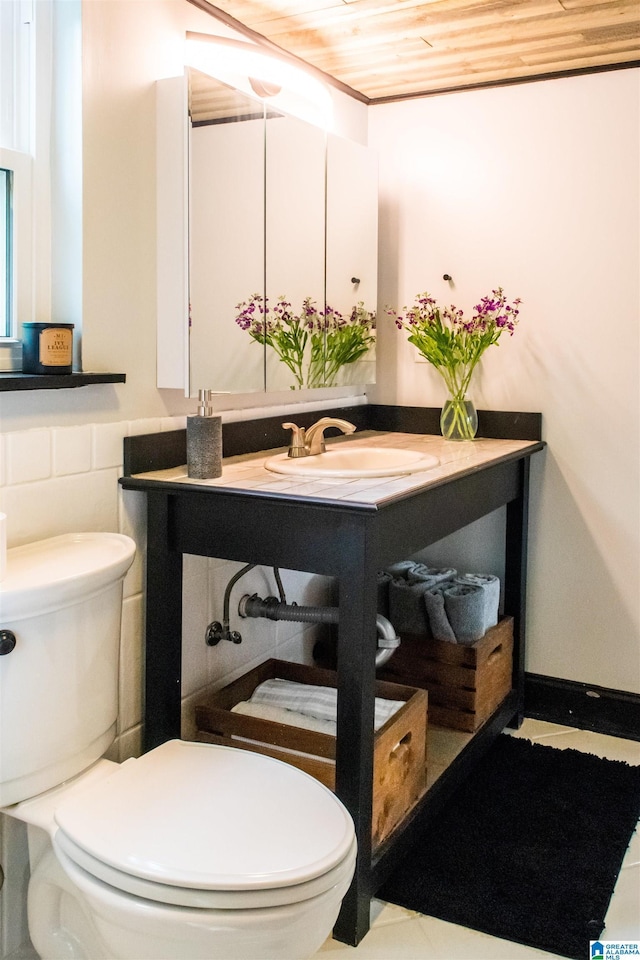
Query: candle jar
[[47, 348]]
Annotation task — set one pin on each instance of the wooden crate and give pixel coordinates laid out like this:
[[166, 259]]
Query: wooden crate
[[465, 684], [399, 763]]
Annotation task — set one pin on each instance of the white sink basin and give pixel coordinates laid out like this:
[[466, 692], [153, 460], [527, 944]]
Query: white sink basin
[[344, 460]]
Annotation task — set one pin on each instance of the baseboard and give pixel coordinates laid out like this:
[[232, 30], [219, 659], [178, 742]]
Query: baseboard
[[582, 705]]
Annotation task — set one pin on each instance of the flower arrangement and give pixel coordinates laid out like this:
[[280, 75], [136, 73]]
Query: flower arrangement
[[346, 339], [315, 343], [454, 345]]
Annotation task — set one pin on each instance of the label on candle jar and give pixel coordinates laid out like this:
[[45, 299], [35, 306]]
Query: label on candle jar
[[55, 347]]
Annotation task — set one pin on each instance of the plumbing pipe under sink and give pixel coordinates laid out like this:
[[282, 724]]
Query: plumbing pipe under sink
[[273, 609]]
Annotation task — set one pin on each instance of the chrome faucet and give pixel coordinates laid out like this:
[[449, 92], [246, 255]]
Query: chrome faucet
[[310, 442]]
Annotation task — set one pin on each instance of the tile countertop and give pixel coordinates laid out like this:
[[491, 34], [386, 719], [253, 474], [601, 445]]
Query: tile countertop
[[247, 473]]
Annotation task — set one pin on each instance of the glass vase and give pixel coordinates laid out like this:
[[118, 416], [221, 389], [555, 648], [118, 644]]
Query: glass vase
[[459, 419]]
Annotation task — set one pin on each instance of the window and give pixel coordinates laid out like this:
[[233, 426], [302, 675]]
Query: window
[[16, 97], [41, 148], [16, 257], [6, 261]]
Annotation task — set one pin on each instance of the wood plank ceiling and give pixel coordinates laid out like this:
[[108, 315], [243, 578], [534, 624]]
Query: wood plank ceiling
[[395, 49]]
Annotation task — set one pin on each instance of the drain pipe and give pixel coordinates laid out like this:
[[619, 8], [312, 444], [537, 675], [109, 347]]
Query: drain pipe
[[272, 608]]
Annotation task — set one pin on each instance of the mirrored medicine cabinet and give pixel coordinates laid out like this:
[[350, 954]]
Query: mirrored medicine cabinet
[[276, 212]]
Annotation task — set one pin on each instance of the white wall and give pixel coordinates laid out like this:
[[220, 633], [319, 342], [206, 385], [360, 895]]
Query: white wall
[[535, 188]]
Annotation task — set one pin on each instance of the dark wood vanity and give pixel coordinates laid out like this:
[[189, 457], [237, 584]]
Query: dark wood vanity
[[350, 542]]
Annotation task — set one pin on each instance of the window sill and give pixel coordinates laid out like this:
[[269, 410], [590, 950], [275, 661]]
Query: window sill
[[49, 381]]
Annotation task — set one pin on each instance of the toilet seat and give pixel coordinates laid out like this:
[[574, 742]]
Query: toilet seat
[[75, 859], [210, 826]]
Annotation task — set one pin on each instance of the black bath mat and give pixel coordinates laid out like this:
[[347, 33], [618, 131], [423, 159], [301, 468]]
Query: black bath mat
[[528, 849]]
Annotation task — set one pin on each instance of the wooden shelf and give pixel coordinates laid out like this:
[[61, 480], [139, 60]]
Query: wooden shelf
[[49, 381]]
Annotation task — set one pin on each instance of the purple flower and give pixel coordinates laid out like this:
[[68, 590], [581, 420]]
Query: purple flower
[[450, 342]]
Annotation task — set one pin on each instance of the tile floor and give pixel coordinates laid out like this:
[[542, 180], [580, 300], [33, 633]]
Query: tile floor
[[399, 934]]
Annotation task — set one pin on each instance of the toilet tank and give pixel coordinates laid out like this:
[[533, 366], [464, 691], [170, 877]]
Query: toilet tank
[[61, 600]]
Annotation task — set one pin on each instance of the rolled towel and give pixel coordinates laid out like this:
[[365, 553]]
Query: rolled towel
[[400, 569], [267, 711], [383, 580], [437, 615], [455, 612], [491, 588], [465, 607], [312, 701], [430, 575], [407, 611]]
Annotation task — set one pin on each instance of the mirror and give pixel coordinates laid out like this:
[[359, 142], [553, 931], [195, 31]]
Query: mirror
[[279, 210], [226, 234], [295, 225], [352, 250]]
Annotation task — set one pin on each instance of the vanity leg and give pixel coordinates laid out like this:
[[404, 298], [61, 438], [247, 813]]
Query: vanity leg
[[515, 586], [354, 737], [163, 652]]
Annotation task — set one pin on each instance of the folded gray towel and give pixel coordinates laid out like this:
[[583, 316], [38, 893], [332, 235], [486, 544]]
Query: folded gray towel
[[463, 609], [434, 601], [430, 575], [438, 602], [407, 611], [491, 589], [464, 605], [401, 568]]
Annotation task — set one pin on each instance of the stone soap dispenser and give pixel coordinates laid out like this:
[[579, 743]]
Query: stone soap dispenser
[[204, 441]]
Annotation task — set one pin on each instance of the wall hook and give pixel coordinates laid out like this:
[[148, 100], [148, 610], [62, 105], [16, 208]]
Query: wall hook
[[355, 279], [447, 276]]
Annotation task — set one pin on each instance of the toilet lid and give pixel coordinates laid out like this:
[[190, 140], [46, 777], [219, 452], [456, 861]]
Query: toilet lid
[[209, 817]]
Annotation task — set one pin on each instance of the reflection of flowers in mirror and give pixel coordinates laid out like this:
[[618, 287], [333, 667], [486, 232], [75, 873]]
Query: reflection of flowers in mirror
[[314, 343]]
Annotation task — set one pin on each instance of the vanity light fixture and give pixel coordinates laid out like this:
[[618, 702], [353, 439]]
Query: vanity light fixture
[[286, 86], [263, 89]]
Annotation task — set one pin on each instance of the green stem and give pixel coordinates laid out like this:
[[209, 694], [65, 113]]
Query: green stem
[[459, 426], [457, 379]]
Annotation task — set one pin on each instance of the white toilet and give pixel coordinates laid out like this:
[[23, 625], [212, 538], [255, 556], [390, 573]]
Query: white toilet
[[191, 851]]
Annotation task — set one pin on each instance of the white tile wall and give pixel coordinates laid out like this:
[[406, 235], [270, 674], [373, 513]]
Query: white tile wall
[[45, 508], [28, 456], [71, 448], [106, 444]]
